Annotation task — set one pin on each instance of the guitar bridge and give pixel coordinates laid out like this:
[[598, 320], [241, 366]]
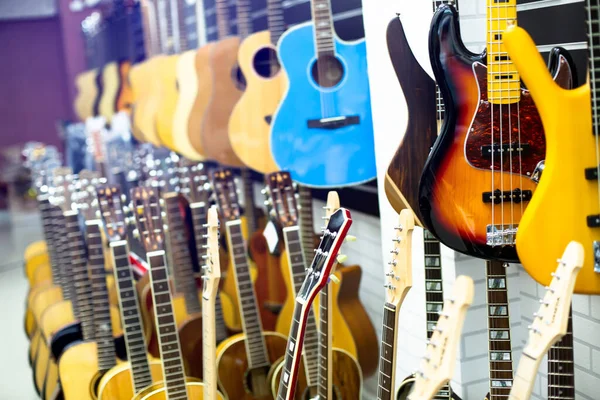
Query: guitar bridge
[[596, 245], [501, 235], [333, 122]]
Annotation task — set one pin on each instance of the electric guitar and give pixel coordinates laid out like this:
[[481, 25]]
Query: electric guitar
[[316, 278], [475, 184], [148, 218], [398, 282], [320, 354], [571, 166], [550, 322], [250, 120], [425, 115], [123, 381], [329, 83], [437, 366], [194, 32], [227, 85], [245, 359]]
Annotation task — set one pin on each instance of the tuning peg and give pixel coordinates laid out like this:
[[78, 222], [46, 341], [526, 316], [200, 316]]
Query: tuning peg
[[341, 258], [334, 279], [350, 238], [136, 234], [263, 191], [123, 198]]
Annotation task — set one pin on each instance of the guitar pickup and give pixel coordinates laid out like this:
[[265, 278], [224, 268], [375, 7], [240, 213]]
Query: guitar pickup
[[512, 149], [591, 174], [593, 221], [514, 196], [333, 122]]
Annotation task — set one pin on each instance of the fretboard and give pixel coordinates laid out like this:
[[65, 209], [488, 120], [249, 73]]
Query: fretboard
[[387, 353], [306, 222], [504, 82], [275, 20], [296, 262], [199, 220], [168, 339], [79, 275], [135, 341], [289, 374], [182, 261], [561, 377], [434, 292], [249, 206], [323, 27], [500, 350], [47, 227], [244, 18], [222, 10], [592, 18], [59, 255], [256, 349], [100, 304], [186, 18]]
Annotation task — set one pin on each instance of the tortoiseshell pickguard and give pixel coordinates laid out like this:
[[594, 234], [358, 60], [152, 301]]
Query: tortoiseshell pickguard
[[513, 123]]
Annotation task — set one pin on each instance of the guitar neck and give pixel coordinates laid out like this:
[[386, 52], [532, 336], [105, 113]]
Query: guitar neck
[[222, 11], [182, 260], [289, 374], [209, 349], [325, 350], [244, 18], [504, 82], [59, 252], [135, 341], [186, 22], [297, 266], [434, 292], [168, 339], [102, 322], [523, 382], [387, 355], [500, 350], [561, 376], [79, 274], [306, 222], [167, 14], [275, 20], [591, 19], [152, 39], [199, 220], [249, 206], [47, 224], [256, 349], [323, 27]]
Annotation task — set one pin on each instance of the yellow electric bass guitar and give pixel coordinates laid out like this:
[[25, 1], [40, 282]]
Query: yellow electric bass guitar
[[568, 186], [148, 216], [250, 121]]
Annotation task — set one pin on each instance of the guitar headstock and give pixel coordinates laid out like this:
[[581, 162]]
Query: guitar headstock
[[325, 258], [281, 197], [398, 276], [193, 181], [212, 267], [110, 200], [148, 218], [226, 193], [437, 366], [62, 188], [85, 198], [550, 322]]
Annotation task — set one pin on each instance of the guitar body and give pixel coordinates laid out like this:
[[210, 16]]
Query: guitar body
[[195, 390], [125, 95], [145, 89], [232, 367], [563, 188], [87, 92], [321, 157], [65, 337], [250, 121], [43, 298], [30, 322], [37, 248], [191, 346], [456, 175], [404, 172], [33, 263], [167, 80], [187, 83], [224, 95], [346, 374], [407, 384], [111, 84], [117, 382], [204, 92]]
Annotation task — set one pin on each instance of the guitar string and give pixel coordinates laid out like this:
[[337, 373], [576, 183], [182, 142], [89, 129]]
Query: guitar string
[[594, 106], [490, 23]]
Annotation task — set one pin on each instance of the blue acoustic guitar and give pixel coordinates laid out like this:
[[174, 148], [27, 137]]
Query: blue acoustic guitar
[[323, 131]]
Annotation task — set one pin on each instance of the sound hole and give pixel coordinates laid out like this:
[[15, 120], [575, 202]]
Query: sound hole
[[256, 382], [265, 62], [327, 71], [239, 80]]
